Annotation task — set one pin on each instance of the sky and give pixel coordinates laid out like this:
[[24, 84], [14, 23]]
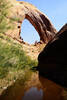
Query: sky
[[56, 10]]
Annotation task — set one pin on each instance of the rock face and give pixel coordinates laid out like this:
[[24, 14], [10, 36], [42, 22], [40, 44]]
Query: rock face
[[53, 59], [24, 10]]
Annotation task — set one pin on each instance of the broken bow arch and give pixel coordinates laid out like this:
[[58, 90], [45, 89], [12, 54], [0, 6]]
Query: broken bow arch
[[40, 21]]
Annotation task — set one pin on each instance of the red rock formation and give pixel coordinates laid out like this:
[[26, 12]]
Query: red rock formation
[[24, 10]]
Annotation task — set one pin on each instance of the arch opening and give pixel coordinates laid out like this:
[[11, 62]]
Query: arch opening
[[28, 33]]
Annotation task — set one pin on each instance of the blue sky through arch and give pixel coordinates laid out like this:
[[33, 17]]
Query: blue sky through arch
[[28, 32]]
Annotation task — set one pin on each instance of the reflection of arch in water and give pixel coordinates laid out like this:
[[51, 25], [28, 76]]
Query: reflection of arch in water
[[38, 86], [33, 94]]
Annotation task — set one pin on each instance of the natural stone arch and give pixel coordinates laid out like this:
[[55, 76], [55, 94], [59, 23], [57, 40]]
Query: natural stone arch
[[40, 21]]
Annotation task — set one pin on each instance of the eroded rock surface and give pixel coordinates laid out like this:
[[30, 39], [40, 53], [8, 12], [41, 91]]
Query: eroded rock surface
[[53, 59], [24, 10]]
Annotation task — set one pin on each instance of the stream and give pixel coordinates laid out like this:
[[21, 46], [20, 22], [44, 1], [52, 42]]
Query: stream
[[34, 87]]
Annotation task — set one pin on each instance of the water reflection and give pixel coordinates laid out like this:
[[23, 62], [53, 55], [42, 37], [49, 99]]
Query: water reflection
[[36, 88], [33, 94]]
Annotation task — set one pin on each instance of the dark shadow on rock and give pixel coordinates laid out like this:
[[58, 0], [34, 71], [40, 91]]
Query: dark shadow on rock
[[52, 61]]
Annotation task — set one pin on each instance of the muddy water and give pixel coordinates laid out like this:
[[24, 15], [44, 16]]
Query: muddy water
[[34, 87]]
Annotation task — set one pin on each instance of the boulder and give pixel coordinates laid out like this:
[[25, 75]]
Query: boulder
[[52, 61]]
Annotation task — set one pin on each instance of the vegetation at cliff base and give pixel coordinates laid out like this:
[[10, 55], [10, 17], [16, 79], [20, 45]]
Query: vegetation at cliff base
[[12, 56], [14, 63]]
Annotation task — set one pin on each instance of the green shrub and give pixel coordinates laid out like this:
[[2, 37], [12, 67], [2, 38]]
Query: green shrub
[[12, 56]]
